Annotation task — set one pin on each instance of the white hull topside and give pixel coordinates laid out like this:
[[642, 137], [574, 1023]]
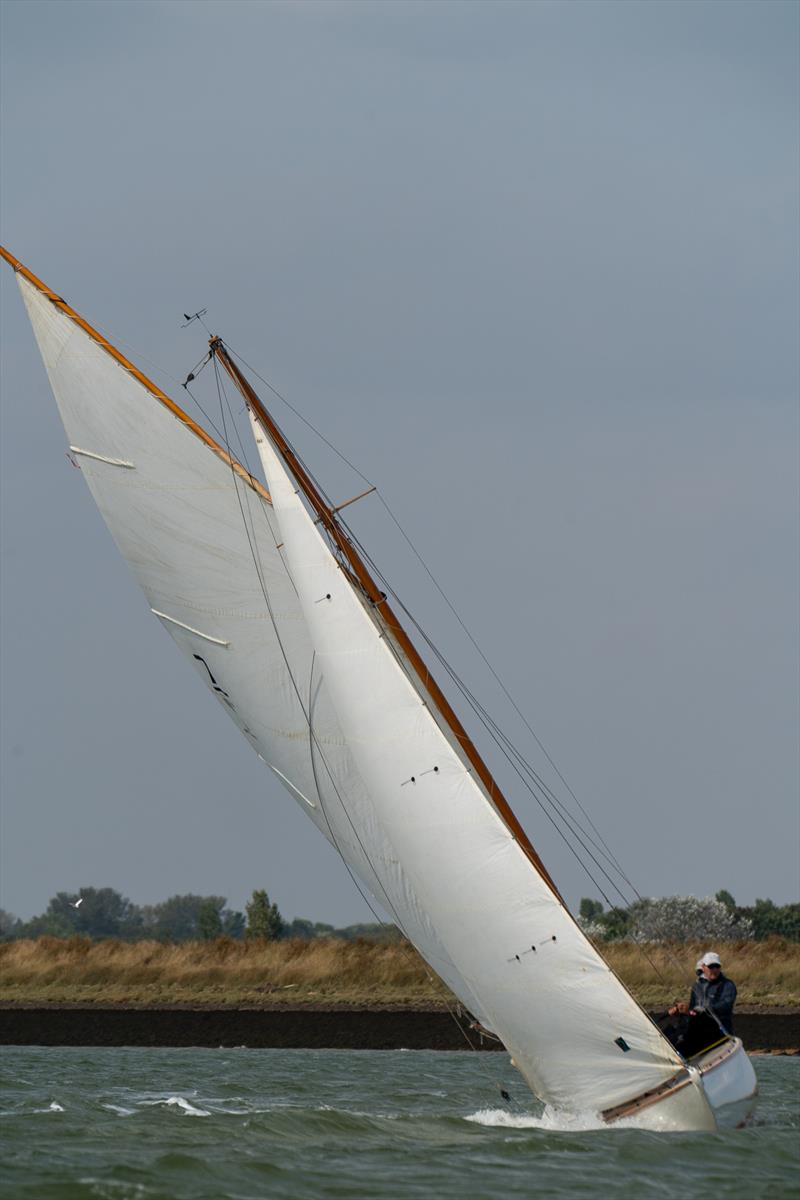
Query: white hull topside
[[716, 1089]]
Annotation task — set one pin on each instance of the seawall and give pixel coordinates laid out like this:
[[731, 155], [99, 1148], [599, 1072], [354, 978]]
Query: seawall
[[278, 1027]]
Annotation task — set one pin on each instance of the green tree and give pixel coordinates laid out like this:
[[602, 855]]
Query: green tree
[[263, 919], [101, 913], [209, 919], [300, 927], [727, 899], [178, 918], [615, 922], [772, 920], [590, 910], [368, 933], [232, 923], [10, 926]]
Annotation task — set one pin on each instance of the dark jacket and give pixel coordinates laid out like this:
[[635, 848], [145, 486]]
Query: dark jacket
[[717, 997]]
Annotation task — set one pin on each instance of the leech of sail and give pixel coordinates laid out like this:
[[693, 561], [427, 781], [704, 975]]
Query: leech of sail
[[326, 516], [151, 387]]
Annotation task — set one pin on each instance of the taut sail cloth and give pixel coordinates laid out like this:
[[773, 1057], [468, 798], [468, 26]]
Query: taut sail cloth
[[220, 588], [242, 585]]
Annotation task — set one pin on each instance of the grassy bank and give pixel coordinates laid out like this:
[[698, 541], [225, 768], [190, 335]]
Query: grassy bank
[[50, 970]]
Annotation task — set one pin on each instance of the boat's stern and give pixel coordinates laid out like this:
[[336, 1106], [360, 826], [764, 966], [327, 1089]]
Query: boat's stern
[[715, 1088], [729, 1081]]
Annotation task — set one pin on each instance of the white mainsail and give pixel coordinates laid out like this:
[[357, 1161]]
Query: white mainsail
[[305, 671], [573, 1030], [219, 586]]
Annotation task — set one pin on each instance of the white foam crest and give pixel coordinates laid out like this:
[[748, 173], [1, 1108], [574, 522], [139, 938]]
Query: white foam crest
[[356, 1112], [114, 1189], [551, 1120], [172, 1102], [119, 1110], [52, 1107], [216, 1106], [189, 1109]]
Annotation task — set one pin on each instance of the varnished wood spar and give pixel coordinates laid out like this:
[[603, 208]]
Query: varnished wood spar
[[327, 517], [151, 387]]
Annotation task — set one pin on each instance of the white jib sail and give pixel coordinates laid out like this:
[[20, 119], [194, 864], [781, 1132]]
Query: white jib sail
[[576, 1034], [202, 544]]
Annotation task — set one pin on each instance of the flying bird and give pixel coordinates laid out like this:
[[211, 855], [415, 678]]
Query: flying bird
[[76, 903]]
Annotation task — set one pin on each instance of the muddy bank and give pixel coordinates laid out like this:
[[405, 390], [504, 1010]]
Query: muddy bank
[[284, 1027]]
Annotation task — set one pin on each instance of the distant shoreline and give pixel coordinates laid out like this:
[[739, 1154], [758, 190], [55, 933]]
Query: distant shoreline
[[280, 1026]]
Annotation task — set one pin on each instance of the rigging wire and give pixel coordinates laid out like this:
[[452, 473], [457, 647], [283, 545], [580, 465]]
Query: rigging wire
[[519, 765], [504, 744], [606, 851], [509, 751]]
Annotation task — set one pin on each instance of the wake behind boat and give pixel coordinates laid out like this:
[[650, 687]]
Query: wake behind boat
[[268, 595]]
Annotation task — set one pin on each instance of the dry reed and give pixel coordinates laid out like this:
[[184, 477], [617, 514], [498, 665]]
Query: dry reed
[[224, 971]]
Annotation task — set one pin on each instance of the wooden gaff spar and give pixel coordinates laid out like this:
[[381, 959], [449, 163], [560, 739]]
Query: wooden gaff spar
[[278, 614]]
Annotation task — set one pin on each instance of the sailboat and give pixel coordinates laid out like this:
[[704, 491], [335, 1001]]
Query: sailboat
[[271, 601]]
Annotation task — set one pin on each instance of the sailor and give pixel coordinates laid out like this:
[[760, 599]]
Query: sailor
[[709, 1012], [714, 993]]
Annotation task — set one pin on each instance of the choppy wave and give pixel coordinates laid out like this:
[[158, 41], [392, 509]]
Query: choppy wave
[[297, 1125], [179, 1102]]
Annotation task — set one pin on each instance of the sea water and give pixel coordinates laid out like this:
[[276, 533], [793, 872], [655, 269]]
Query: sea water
[[142, 1124]]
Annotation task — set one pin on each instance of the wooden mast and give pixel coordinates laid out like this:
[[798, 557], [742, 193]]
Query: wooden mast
[[151, 387], [327, 517]]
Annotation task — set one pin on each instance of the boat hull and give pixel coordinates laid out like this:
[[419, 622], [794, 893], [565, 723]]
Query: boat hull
[[729, 1082], [717, 1089]]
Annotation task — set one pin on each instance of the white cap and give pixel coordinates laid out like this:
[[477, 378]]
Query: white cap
[[710, 959]]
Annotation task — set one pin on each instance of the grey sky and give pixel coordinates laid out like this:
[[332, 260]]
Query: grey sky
[[534, 269]]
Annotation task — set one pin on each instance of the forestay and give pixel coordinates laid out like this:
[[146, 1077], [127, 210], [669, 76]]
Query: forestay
[[202, 544], [576, 1034]]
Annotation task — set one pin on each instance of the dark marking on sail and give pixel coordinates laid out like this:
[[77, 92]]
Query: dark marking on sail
[[623, 1045], [214, 684], [532, 949]]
